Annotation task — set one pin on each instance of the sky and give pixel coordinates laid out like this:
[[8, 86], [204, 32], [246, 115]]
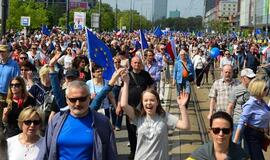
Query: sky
[[187, 8]]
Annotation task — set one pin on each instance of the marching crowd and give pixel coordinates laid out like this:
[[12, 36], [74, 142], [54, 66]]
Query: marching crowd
[[56, 104]]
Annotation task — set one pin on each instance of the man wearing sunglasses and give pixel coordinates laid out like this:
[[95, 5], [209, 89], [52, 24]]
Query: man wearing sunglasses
[[238, 97], [79, 132]]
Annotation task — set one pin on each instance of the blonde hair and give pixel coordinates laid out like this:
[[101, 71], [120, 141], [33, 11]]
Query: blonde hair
[[45, 70], [257, 88], [28, 113]]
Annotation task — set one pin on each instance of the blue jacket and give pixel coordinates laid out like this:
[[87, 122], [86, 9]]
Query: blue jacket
[[178, 69], [60, 96], [104, 140]]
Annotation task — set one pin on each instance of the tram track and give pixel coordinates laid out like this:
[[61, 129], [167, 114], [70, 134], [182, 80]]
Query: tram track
[[200, 120]]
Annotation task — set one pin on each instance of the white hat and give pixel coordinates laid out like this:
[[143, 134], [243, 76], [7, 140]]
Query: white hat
[[248, 72]]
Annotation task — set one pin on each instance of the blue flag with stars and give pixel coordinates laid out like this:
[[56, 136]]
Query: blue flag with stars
[[100, 54], [144, 44], [158, 32], [45, 30]]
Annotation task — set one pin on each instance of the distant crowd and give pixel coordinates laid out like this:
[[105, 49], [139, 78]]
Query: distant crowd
[[56, 104]]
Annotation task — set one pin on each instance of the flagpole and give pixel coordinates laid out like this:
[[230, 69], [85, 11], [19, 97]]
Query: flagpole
[[90, 61], [141, 44], [267, 17]]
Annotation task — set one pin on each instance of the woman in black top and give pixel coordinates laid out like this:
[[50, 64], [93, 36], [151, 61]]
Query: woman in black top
[[17, 99]]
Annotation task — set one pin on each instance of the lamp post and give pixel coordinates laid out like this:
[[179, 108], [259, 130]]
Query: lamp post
[[4, 16], [67, 14], [267, 17], [99, 10]]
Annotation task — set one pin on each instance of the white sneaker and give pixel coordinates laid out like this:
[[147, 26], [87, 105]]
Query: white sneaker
[[198, 87]]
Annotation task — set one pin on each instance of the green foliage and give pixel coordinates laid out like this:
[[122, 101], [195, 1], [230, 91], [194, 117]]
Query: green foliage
[[182, 24], [125, 19], [219, 26], [29, 8]]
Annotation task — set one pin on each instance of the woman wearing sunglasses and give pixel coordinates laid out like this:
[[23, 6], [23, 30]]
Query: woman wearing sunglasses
[[221, 127], [255, 119], [27, 144], [17, 99]]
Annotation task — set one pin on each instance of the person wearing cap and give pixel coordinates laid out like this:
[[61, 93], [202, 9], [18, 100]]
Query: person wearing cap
[[8, 70], [238, 98]]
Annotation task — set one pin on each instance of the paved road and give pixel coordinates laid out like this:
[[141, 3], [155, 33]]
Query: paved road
[[181, 143]]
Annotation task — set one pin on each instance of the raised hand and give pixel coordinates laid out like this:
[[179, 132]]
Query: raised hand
[[182, 99]]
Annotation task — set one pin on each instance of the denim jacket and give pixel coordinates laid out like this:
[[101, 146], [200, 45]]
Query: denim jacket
[[104, 147], [178, 69]]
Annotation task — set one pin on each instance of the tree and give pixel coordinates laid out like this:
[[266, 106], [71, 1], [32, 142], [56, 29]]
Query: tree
[[219, 26], [124, 19], [26, 8]]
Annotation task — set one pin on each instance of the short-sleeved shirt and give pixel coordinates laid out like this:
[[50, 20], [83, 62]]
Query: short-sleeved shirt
[[238, 97], [17, 150], [7, 72], [221, 91], [144, 80], [152, 142]]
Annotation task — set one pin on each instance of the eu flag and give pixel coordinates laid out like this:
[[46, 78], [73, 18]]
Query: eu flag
[[158, 32], [258, 31], [143, 40], [100, 54], [71, 28], [45, 30]]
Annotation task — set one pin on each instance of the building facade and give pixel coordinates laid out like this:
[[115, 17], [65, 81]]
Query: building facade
[[159, 9], [174, 14]]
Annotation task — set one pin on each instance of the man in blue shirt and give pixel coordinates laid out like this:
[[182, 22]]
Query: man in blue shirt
[[78, 133], [8, 70]]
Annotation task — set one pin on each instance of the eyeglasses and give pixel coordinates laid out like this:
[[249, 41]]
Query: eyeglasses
[[29, 122], [162, 48], [80, 99], [34, 48], [224, 130], [24, 58], [16, 85]]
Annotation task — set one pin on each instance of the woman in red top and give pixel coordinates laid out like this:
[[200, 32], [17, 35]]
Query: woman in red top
[[17, 99]]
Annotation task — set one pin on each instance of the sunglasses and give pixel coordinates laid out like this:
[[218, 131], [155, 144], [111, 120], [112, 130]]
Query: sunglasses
[[29, 122], [80, 99], [224, 130], [25, 70], [16, 85], [24, 58], [117, 62]]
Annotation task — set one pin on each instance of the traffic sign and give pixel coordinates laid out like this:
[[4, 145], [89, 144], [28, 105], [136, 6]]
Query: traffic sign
[[25, 21]]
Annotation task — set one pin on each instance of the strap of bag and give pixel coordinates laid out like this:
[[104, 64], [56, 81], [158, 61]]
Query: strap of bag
[[132, 75], [184, 66]]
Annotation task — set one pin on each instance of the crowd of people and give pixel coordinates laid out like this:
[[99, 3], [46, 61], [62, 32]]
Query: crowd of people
[[51, 91]]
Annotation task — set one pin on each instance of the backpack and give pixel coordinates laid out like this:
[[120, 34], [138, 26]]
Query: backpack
[[47, 100]]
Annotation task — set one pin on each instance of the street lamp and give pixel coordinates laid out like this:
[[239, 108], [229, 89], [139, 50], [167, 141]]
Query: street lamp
[[67, 14], [4, 16]]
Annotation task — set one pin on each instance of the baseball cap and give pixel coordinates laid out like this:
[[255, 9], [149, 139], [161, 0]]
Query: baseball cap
[[248, 72], [72, 73]]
